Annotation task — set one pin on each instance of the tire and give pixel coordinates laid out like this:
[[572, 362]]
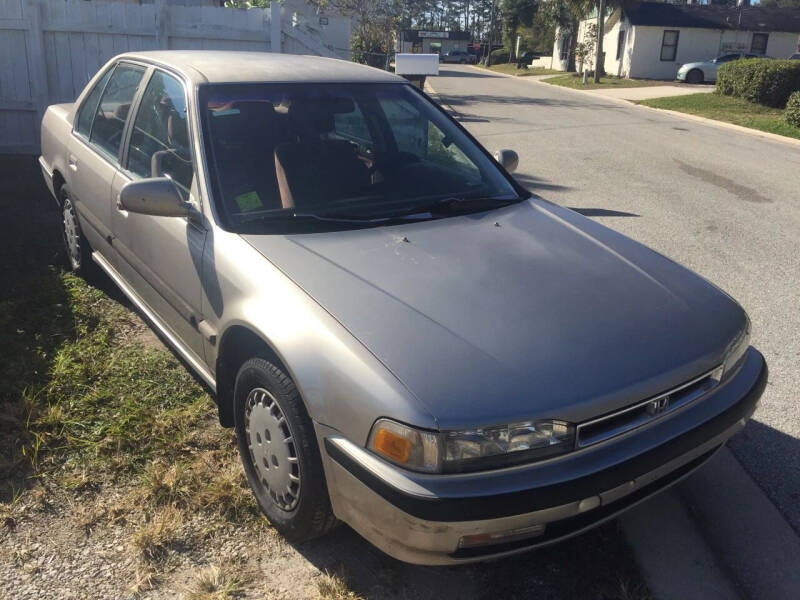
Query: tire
[[286, 477], [694, 76], [76, 246]]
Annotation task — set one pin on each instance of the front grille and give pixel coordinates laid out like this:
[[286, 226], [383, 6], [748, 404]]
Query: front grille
[[627, 419]]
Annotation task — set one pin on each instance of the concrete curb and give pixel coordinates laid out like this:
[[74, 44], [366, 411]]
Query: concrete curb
[[682, 115], [674, 558], [744, 529]]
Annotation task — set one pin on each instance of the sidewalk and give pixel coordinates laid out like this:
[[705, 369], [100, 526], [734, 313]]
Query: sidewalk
[[646, 93]]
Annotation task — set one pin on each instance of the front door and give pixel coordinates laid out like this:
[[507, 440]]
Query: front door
[[161, 257]]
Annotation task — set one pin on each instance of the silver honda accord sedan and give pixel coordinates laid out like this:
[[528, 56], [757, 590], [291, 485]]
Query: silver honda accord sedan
[[403, 338]]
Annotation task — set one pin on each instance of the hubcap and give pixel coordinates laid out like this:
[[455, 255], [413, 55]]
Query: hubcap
[[71, 234], [272, 448]]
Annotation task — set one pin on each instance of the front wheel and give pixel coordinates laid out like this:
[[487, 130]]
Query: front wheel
[[279, 452], [694, 76]]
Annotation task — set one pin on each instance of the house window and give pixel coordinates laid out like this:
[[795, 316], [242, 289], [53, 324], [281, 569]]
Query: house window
[[565, 43], [759, 43], [620, 43], [669, 45]]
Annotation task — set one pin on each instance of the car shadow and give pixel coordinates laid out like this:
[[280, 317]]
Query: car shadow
[[535, 183], [602, 212], [35, 313], [597, 564], [772, 458]]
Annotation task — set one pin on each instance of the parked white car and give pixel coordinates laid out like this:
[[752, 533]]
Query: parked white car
[[706, 71]]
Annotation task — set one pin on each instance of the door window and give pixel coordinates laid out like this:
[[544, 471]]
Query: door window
[[160, 137], [83, 123], [112, 111]]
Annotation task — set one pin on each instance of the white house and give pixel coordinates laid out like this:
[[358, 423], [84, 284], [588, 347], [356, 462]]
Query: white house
[[651, 40]]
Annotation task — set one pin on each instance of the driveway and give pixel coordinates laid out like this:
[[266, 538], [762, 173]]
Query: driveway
[[723, 203]]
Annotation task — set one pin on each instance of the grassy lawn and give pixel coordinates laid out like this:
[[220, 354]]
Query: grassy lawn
[[573, 80], [731, 110], [116, 477], [511, 69]]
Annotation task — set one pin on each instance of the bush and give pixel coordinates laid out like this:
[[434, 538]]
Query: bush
[[761, 80], [498, 56], [792, 114]]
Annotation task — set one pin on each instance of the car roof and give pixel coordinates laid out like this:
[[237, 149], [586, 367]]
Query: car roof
[[226, 66]]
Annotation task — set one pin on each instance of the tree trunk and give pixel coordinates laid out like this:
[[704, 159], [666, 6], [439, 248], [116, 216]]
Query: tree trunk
[[598, 55], [573, 45]]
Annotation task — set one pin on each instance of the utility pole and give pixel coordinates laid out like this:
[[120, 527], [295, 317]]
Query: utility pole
[[598, 55]]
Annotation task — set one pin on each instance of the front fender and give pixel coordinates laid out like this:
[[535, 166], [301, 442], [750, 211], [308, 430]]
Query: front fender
[[342, 384]]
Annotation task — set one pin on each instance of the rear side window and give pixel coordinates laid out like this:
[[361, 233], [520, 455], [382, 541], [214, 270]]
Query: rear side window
[[160, 138], [112, 112], [84, 122]]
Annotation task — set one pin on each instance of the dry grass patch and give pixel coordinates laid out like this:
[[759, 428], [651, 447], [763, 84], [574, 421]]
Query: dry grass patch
[[154, 538], [332, 586], [216, 583]]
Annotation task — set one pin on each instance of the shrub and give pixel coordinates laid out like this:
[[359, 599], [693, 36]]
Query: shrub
[[498, 56], [792, 114], [761, 80]]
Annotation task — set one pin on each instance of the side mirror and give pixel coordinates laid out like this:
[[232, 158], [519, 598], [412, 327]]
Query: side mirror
[[508, 159], [157, 196]]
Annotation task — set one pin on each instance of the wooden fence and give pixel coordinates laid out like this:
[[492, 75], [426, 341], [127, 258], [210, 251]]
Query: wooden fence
[[49, 49]]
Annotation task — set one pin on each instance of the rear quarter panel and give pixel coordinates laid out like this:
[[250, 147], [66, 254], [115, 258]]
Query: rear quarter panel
[[56, 129]]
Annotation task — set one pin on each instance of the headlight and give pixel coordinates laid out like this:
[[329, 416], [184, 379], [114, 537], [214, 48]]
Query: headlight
[[736, 352], [472, 449], [502, 446]]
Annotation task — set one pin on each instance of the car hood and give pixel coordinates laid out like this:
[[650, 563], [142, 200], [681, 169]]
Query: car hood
[[529, 311]]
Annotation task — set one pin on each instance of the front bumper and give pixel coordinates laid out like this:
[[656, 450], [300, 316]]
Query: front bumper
[[422, 518]]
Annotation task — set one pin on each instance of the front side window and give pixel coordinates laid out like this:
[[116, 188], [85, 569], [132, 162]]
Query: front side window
[[83, 123], [160, 136], [112, 111], [759, 43], [669, 45], [355, 151]]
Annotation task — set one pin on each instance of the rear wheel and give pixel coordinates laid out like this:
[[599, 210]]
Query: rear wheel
[[694, 76], [79, 254], [279, 452]]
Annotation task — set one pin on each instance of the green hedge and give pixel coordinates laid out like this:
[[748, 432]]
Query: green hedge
[[761, 80], [792, 113], [498, 56]]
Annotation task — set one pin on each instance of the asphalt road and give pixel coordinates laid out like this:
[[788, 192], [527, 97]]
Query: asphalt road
[[725, 204]]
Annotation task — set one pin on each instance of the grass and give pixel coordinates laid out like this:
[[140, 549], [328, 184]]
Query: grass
[[332, 586], [511, 69], [155, 538], [575, 80], [729, 109], [215, 583]]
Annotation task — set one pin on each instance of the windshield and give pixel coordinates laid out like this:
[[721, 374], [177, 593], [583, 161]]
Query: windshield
[[355, 151]]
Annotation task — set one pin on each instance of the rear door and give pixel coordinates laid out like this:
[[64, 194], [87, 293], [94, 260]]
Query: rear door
[[161, 257], [94, 148]]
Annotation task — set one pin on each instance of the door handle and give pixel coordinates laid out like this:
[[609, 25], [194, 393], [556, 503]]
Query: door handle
[[73, 162]]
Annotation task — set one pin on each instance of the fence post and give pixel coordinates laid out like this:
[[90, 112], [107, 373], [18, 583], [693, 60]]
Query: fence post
[[275, 26], [162, 24], [40, 93]]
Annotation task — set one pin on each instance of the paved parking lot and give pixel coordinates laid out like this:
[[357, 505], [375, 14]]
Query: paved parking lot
[[723, 203]]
